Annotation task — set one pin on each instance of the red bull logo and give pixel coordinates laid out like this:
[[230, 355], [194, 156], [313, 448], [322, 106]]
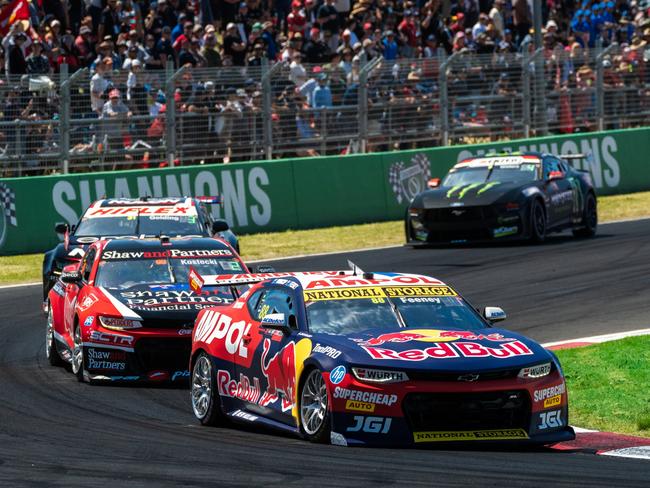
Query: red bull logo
[[430, 335], [280, 373]]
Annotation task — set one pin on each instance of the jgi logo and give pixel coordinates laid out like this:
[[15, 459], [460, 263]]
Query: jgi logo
[[550, 420], [372, 425]]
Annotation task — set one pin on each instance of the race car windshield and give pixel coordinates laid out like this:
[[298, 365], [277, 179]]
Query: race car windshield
[[519, 173], [344, 317], [132, 225], [125, 273]]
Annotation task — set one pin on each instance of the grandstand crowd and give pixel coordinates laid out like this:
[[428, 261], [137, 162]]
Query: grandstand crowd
[[127, 45]]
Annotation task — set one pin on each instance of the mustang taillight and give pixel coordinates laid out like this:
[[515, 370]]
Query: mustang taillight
[[537, 371], [369, 375], [119, 323]]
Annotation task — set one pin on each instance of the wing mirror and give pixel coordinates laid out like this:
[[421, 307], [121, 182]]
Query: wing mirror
[[219, 226], [494, 314], [61, 228], [277, 321], [555, 175], [71, 277], [433, 183]]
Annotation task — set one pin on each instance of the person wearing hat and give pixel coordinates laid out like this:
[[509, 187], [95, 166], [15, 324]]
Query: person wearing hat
[[408, 32], [269, 40], [210, 51], [328, 18], [113, 120], [297, 19], [83, 45], [389, 46], [37, 62], [430, 47], [315, 50], [99, 84], [458, 23], [322, 96], [164, 46], [233, 45]]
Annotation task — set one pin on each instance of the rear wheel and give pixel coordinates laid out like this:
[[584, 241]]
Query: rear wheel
[[51, 352], [589, 218], [78, 355], [537, 222], [206, 402], [315, 419]]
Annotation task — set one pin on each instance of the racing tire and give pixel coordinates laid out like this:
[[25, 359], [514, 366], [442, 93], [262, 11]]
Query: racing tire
[[589, 223], [205, 399], [537, 222], [51, 351], [78, 355], [314, 409]]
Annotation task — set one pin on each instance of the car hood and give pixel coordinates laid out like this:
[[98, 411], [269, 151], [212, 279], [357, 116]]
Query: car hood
[[441, 350], [468, 195], [172, 303]]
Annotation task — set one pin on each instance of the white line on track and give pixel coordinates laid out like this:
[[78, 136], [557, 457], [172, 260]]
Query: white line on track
[[19, 285], [641, 452], [602, 338]]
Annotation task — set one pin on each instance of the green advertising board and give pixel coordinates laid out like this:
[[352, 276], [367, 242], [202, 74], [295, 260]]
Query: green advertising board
[[301, 193]]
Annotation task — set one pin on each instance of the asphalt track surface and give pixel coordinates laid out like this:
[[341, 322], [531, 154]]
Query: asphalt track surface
[[55, 431]]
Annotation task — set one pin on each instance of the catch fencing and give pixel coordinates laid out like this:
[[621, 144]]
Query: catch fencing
[[79, 122]]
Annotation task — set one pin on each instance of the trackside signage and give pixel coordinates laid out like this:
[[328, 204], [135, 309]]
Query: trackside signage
[[300, 193]]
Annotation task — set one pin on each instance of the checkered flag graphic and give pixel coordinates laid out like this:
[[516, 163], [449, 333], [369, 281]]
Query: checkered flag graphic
[[394, 179], [8, 202], [419, 161]]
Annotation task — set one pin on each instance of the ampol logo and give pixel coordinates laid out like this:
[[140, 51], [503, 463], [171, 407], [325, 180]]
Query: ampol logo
[[408, 181], [8, 211]]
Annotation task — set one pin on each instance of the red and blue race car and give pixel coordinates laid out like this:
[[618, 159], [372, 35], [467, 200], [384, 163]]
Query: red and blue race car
[[126, 311], [372, 359]]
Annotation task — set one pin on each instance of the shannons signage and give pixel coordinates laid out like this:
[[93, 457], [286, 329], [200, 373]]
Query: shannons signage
[[245, 199]]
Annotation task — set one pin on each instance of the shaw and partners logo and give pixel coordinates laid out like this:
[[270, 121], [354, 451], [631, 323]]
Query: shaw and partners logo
[[8, 211], [408, 181]]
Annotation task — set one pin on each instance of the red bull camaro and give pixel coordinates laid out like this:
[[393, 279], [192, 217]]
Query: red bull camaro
[[371, 359]]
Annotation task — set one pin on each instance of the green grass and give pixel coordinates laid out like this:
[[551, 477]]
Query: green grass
[[609, 385], [26, 268]]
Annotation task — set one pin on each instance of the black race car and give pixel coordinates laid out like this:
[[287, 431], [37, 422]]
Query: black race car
[[133, 218], [501, 197]]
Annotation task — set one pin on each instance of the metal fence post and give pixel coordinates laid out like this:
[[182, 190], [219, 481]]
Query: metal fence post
[[362, 102], [64, 113], [267, 105], [444, 96], [170, 110], [600, 86]]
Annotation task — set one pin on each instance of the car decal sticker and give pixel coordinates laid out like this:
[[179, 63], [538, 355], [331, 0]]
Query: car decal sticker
[[488, 186], [464, 191], [453, 190], [125, 311]]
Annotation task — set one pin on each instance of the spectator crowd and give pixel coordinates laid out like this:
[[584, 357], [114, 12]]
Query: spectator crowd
[[323, 44]]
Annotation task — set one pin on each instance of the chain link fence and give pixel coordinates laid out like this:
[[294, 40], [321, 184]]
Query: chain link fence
[[137, 118]]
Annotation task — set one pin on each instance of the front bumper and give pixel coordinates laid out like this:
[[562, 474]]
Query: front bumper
[[425, 413], [458, 225], [152, 355]]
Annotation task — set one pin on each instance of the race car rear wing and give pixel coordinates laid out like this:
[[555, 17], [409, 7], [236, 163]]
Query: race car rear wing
[[197, 282]]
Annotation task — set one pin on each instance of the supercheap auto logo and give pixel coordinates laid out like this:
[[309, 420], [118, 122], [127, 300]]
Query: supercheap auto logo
[[430, 335]]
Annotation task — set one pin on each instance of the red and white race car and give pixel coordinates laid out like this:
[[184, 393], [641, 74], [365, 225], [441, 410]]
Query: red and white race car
[[126, 312]]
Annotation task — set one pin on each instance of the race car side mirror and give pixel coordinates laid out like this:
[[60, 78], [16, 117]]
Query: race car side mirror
[[494, 314], [555, 175], [276, 321], [433, 183], [71, 277], [61, 228], [219, 226]]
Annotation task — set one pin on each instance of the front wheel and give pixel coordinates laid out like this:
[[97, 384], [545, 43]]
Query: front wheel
[[51, 352], [315, 416], [537, 222], [78, 355], [206, 402], [589, 218]]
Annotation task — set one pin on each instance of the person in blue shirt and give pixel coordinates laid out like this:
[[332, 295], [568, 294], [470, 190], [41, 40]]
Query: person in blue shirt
[[582, 27], [269, 40], [322, 96], [389, 46]]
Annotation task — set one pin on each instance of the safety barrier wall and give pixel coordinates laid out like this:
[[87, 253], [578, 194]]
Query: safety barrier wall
[[301, 193]]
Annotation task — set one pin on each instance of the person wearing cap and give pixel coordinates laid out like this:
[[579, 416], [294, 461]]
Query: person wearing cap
[[37, 62], [408, 33], [113, 116], [481, 26], [322, 96], [430, 47], [496, 16], [233, 45], [186, 55], [269, 40], [458, 23], [83, 45], [297, 19], [315, 50], [151, 55], [297, 72], [389, 46]]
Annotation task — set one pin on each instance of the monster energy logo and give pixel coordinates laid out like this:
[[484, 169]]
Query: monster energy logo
[[462, 190]]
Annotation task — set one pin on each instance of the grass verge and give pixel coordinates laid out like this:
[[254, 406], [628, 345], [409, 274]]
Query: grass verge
[[27, 268], [609, 385]]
